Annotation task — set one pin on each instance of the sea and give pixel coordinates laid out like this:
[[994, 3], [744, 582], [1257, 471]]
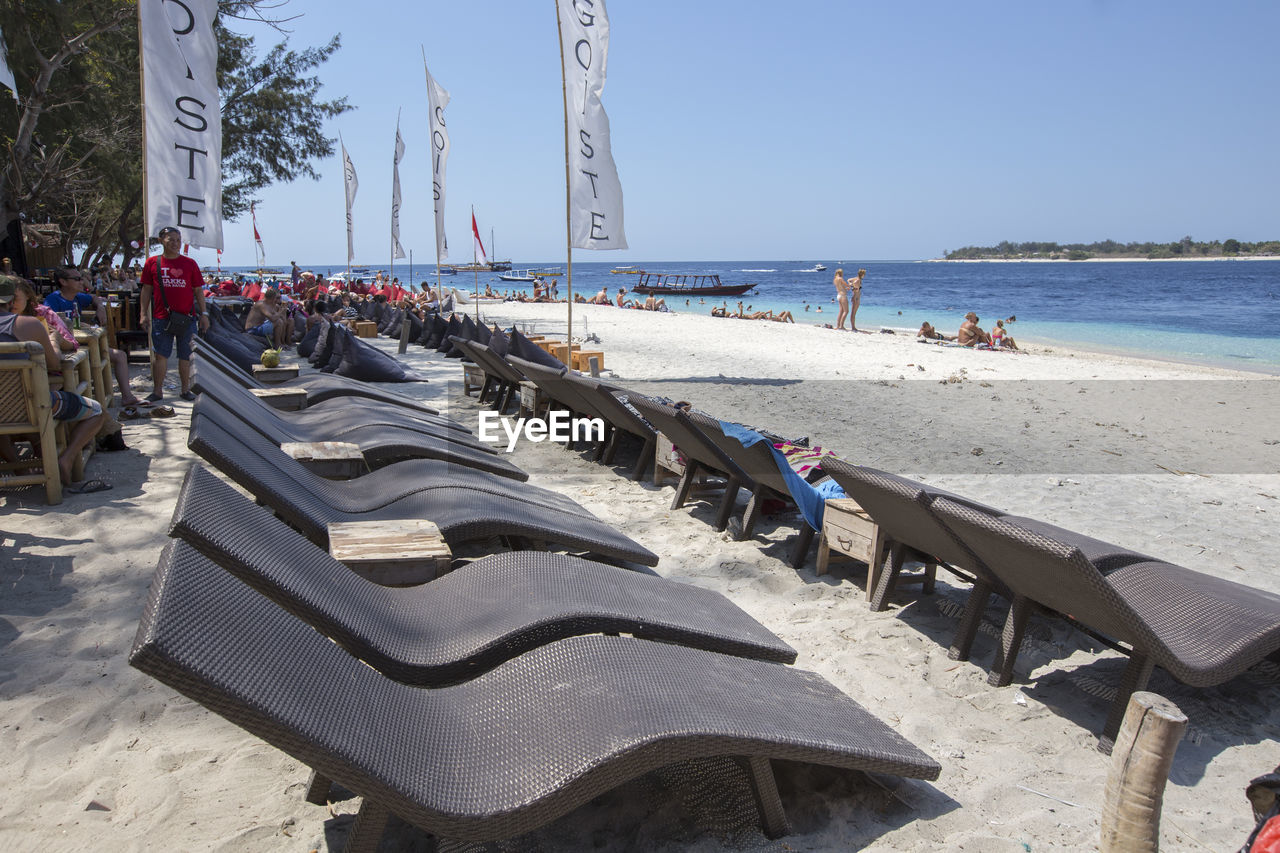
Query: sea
[[1221, 313]]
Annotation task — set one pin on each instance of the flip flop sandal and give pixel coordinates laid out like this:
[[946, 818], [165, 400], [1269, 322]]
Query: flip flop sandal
[[154, 397], [85, 487], [163, 412]]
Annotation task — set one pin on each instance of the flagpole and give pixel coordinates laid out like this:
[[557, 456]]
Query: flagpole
[[391, 272], [343, 144], [568, 201]]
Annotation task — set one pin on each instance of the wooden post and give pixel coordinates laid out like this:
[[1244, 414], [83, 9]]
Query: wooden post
[[1140, 762], [405, 323]]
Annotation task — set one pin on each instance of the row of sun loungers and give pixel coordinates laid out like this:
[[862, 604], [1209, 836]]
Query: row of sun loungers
[[1202, 630], [496, 698]]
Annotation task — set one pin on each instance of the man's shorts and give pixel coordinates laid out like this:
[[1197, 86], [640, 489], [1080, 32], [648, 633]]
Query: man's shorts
[[265, 329], [71, 408], [162, 341]]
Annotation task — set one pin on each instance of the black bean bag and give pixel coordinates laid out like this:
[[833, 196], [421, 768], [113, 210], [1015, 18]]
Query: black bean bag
[[342, 338], [522, 347], [307, 345], [369, 364]]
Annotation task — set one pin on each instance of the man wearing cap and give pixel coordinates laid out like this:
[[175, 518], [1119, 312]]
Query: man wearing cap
[[85, 413], [172, 284]]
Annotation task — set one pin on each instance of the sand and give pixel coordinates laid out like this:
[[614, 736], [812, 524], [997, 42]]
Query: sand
[[1177, 461]]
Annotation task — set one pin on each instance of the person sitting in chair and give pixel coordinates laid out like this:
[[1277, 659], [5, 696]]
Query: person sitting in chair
[[267, 318]]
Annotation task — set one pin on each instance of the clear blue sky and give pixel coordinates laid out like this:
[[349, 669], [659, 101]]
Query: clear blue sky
[[817, 131]]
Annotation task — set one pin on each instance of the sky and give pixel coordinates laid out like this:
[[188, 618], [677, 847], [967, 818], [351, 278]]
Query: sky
[[831, 129]]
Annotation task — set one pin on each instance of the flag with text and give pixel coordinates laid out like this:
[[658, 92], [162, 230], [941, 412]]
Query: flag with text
[[595, 193], [437, 100], [183, 140], [350, 185]]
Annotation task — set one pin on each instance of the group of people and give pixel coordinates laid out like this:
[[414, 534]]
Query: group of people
[[748, 314], [971, 334], [848, 297], [650, 303]]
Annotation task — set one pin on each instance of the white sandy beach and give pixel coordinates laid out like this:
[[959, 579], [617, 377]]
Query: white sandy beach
[[1176, 461]]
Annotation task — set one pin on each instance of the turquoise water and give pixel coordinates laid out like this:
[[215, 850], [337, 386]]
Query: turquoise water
[[1224, 313]]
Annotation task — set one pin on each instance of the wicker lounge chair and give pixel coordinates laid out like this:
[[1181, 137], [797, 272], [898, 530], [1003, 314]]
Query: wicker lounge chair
[[380, 445], [559, 392], [455, 627], [328, 422], [512, 749], [620, 420], [1201, 629], [466, 506], [913, 532], [319, 386], [760, 466], [499, 377], [701, 455], [209, 358]]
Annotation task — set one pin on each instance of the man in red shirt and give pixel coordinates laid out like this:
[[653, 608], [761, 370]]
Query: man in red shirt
[[183, 293]]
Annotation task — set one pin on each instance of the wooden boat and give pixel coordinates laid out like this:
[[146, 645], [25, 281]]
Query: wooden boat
[[687, 284]]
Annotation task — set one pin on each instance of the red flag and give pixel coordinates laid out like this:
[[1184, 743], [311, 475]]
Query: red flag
[[479, 243], [257, 238]]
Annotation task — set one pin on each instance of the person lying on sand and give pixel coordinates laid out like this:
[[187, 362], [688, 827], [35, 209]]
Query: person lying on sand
[[719, 312], [971, 333], [929, 332]]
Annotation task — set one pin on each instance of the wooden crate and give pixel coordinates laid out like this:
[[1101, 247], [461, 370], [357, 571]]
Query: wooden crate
[[532, 401], [582, 359], [366, 329], [333, 460], [393, 553], [847, 531], [472, 378], [665, 461]]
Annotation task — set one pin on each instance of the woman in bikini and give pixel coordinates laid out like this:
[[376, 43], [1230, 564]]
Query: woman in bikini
[[842, 297]]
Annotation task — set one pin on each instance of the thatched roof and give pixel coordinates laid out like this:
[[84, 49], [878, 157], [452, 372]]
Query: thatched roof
[[42, 236]]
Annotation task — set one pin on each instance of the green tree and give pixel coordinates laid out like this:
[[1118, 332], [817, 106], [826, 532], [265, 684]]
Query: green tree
[[74, 154], [1231, 246]]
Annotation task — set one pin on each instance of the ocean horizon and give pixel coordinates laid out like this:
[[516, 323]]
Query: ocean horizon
[[1217, 313]]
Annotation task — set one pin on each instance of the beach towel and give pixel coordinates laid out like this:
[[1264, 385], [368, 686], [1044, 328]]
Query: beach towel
[[803, 460], [811, 504]]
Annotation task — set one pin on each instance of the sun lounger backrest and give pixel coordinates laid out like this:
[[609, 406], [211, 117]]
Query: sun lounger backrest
[[757, 460], [552, 383], [691, 441], [267, 472], [495, 365], [1046, 571], [610, 407], [210, 354], [901, 508]]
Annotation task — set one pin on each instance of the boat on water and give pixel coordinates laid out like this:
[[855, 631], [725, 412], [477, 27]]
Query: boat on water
[[819, 268], [627, 270], [530, 275], [687, 284]]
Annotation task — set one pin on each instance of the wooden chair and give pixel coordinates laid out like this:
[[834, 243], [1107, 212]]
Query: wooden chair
[[25, 409]]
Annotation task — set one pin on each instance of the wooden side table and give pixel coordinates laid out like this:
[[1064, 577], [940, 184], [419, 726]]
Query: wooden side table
[[392, 553], [274, 374], [333, 460], [284, 399], [366, 329], [472, 378], [532, 401], [582, 360], [666, 463], [847, 531]]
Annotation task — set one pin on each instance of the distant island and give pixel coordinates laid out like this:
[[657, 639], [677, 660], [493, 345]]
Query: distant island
[[1110, 249]]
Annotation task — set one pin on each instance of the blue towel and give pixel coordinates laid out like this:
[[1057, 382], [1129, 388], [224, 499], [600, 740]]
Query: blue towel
[[807, 498]]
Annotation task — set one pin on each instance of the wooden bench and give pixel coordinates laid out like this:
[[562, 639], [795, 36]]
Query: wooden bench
[[333, 460], [284, 399], [403, 552]]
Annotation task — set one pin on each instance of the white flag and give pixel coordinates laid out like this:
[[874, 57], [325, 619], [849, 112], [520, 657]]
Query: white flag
[[6, 73], [437, 100], [350, 185], [184, 119], [595, 193], [396, 250]]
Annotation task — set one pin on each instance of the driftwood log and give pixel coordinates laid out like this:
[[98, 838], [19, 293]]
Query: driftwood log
[[1153, 726]]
